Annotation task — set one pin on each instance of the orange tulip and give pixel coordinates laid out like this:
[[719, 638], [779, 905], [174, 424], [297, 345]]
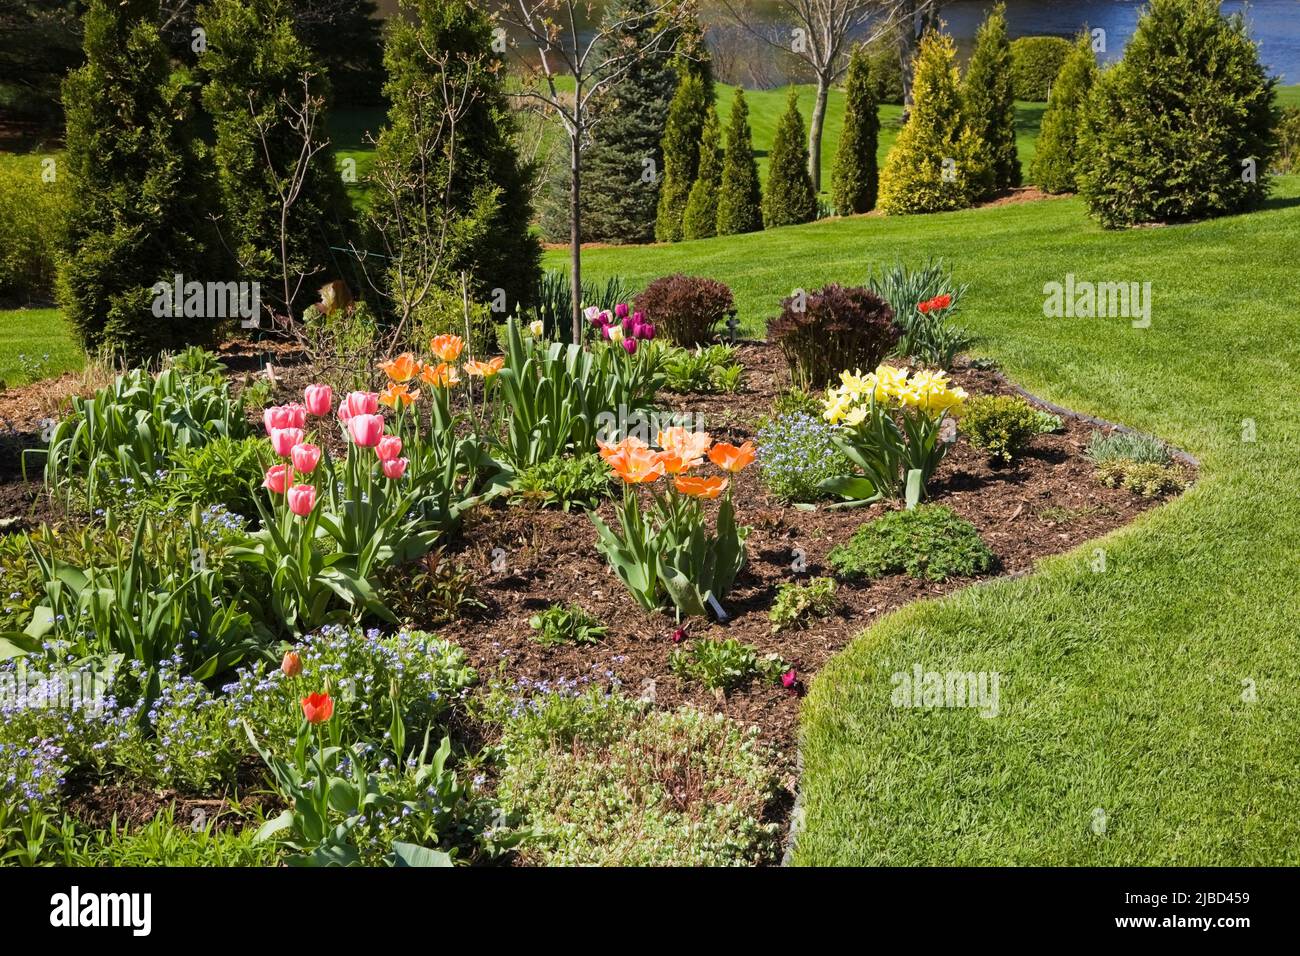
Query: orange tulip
[[689, 446], [730, 458], [485, 369], [700, 487], [398, 394], [317, 708], [609, 451], [636, 465], [401, 369], [441, 375], [447, 347], [674, 463]]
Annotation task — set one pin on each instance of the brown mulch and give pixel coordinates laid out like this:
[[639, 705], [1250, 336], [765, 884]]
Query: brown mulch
[[1047, 504]]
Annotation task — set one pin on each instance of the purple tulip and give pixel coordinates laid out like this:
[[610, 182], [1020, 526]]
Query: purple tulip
[[628, 325], [647, 331], [621, 310], [629, 346], [638, 318]]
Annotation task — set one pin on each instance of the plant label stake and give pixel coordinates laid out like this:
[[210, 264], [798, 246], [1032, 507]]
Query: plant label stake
[[717, 609]]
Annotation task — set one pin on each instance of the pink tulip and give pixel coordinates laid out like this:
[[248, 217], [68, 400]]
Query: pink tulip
[[394, 467], [621, 310], [283, 440], [366, 430], [297, 414], [302, 499], [278, 478], [305, 457], [319, 399], [358, 403], [389, 447], [628, 325], [629, 346], [789, 678], [647, 331], [276, 416]]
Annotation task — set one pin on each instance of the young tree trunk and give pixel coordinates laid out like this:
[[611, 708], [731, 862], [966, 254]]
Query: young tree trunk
[[575, 232], [815, 131], [909, 21]]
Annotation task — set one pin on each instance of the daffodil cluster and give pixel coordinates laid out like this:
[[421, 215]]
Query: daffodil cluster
[[924, 391]]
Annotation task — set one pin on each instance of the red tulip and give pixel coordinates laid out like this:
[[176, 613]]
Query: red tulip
[[679, 635], [394, 467], [924, 307], [366, 429], [319, 399], [291, 665], [389, 447], [317, 708], [283, 440], [305, 457], [278, 478], [942, 301], [302, 499]]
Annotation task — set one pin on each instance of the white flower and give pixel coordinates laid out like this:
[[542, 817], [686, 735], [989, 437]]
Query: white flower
[[536, 328]]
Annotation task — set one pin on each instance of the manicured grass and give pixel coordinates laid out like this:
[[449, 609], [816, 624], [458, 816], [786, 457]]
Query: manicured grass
[[1162, 692], [34, 344]]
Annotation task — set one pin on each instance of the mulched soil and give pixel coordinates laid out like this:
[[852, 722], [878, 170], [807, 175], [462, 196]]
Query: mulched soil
[[523, 559]]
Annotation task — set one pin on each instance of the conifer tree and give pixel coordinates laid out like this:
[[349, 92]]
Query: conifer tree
[[855, 177], [681, 152], [701, 218], [1053, 166], [988, 97], [740, 198], [789, 199], [140, 215]]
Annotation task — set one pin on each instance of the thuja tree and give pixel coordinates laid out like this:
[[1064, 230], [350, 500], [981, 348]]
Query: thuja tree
[[740, 199], [1056, 154], [789, 198], [140, 214], [452, 195], [988, 99], [1183, 127], [625, 160], [284, 211], [700, 220], [681, 152], [937, 162], [855, 177]]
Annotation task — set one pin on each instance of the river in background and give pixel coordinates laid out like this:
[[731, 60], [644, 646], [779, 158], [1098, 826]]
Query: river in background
[[1275, 24]]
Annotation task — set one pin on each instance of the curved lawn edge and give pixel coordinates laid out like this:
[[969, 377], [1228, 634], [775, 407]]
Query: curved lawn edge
[[790, 844]]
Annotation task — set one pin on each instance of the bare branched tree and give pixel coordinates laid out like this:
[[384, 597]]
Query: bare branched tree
[[821, 32], [590, 63]]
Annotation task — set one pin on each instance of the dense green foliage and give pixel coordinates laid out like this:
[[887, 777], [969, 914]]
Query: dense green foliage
[[1002, 425], [142, 202], [681, 151], [476, 181], [267, 95], [856, 177], [789, 198], [34, 203], [929, 541], [1057, 156], [700, 219], [1184, 126], [624, 164], [1035, 64], [938, 162], [988, 103], [740, 200]]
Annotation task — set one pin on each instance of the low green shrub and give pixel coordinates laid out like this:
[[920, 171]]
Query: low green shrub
[[929, 541], [712, 369], [1035, 63], [605, 780], [569, 481], [725, 664], [562, 624], [1104, 447], [1002, 425], [1149, 479], [795, 603]]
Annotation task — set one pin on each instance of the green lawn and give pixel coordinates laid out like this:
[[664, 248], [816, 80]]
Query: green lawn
[[34, 344], [1121, 691]]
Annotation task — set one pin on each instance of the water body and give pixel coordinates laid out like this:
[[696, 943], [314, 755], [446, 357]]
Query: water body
[[1275, 24]]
